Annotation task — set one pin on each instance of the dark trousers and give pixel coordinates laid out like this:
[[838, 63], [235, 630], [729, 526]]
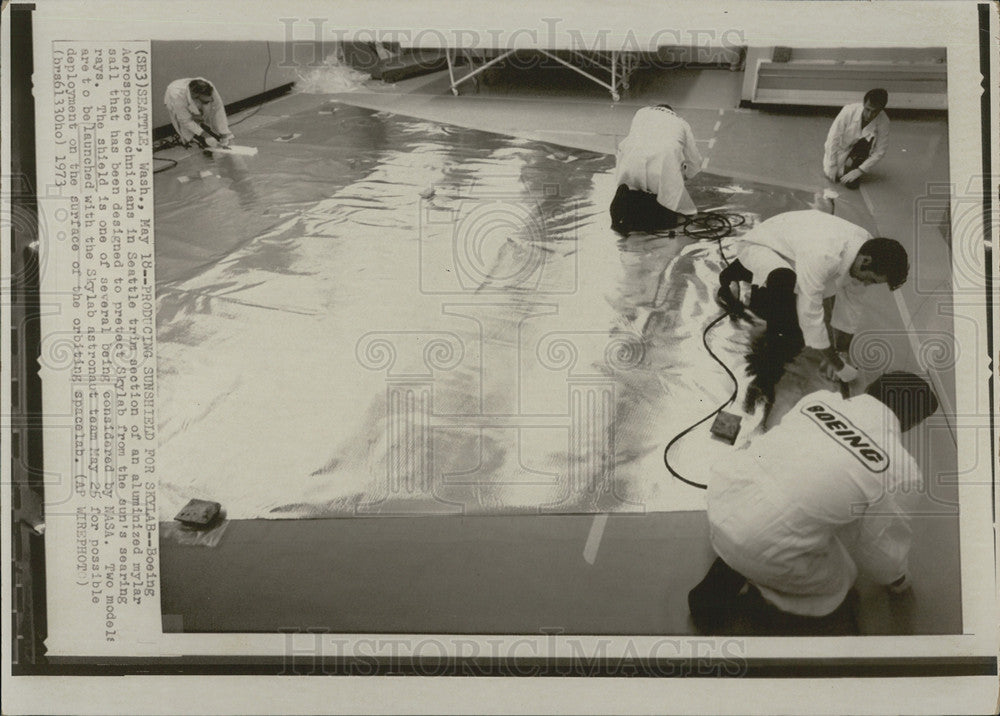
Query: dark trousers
[[633, 210], [774, 301], [855, 158], [724, 602], [772, 350]]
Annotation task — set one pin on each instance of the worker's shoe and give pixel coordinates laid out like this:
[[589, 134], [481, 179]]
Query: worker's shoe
[[621, 228], [725, 602], [716, 602]]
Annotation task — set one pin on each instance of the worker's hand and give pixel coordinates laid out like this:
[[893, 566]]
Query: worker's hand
[[211, 141], [851, 176], [731, 305], [845, 373], [226, 141], [848, 373], [834, 366]]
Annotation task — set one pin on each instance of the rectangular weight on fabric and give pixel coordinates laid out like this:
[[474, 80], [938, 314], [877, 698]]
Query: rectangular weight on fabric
[[198, 513], [726, 426]]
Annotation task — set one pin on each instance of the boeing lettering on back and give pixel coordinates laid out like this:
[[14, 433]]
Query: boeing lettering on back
[[842, 431]]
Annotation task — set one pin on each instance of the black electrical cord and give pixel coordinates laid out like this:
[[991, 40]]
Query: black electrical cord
[[732, 398], [173, 163], [167, 143], [715, 225], [711, 226], [257, 108]]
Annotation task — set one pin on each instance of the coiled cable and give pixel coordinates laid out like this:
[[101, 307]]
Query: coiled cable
[[710, 226]]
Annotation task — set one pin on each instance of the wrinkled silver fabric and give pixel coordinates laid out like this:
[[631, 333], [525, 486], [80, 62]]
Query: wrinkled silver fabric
[[379, 314]]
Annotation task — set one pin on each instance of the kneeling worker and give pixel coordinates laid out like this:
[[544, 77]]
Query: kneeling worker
[[654, 160], [795, 515], [197, 112], [857, 139], [794, 261]]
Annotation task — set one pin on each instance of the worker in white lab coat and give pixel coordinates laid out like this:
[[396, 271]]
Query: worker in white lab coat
[[797, 513], [794, 261], [197, 112], [654, 161], [857, 139]]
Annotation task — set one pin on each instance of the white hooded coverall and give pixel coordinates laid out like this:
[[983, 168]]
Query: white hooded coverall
[[820, 248], [185, 114], [825, 492], [845, 131], [656, 157]]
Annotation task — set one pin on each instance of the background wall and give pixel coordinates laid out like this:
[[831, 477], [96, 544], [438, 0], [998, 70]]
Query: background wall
[[914, 77]]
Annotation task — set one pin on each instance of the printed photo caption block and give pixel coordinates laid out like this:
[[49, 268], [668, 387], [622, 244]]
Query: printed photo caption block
[[98, 348]]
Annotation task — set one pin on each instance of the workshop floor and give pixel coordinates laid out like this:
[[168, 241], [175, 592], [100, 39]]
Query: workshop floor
[[623, 574]]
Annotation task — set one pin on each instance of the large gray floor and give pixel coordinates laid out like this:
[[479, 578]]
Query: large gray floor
[[526, 574]]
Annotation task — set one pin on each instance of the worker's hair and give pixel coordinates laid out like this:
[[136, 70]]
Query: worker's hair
[[889, 259], [907, 395], [666, 106], [200, 88], [878, 97]]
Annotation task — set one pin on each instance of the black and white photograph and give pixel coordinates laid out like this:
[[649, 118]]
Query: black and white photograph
[[368, 344], [440, 342]]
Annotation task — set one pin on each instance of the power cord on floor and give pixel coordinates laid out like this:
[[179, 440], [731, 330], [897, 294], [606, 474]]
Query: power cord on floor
[[263, 90], [173, 163], [732, 398], [171, 141], [710, 226], [713, 226]]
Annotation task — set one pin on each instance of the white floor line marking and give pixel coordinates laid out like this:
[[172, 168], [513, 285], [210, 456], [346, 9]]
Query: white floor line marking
[[567, 131], [904, 314], [766, 180], [721, 111], [717, 125], [907, 319], [711, 142], [594, 538], [704, 163]]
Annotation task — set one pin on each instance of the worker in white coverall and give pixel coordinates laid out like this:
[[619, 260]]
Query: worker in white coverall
[[794, 261], [654, 161], [796, 514], [197, 112], [857, 139]]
